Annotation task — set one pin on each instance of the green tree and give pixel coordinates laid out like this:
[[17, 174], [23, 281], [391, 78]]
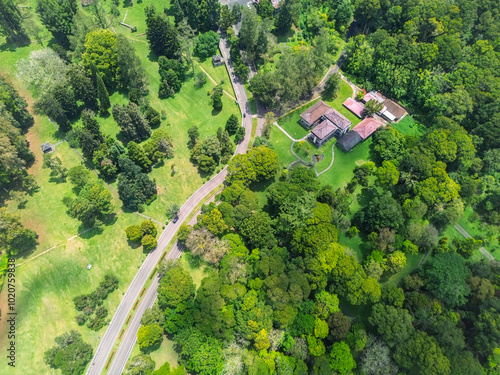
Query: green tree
[[129, 71], [92, 205], [78, 176], [184, 232], [148, 242], [136, 153], [332, 86], [214, 222], [102, 94], [265, 9], [14, 237], [341, 360], [132, 123], [101, 53], [148, 227], [176, 287], [70, 355], [206, 44], [134, 233], [57, 16], [393, 324], [217, 99], [11, 25], [446, 278], [372, 106], [149, 335], [258, 231], [423, 352], [162, 36], [232, 124], [209, 15], [387, 174], [193, 135]]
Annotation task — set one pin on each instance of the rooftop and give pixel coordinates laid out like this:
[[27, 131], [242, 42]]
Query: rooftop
[[338, 119], [355, 107], [323, 129], [394, 108], [349, 140], [367, 127], [313, 113], [373, 95]]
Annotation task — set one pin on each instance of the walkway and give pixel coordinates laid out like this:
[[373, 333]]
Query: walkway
[[213, 80], [464, 233]]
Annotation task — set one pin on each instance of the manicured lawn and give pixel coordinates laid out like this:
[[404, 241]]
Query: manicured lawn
[[326, 150], [305, 150], [281, 144], [343, 166], [291, 123]]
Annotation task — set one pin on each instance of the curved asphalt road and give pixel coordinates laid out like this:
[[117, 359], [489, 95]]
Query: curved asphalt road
[[103, 351]]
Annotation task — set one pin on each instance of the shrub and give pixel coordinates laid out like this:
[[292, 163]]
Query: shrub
[[149, 242], [134, 233], [148, 227]]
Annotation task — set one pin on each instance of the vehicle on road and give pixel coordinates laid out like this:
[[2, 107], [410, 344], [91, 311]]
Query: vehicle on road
[[175, 219], [244, 115]]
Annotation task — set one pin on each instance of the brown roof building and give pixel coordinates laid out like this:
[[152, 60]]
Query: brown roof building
[[393, 111], [312, 116], [325, 121], [367, 127]]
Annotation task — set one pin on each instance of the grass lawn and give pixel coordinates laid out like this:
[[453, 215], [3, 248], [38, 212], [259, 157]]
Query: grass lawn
[[408, 126], [281, 144], [305, 150], [219, 74], [47, 285], [343, 166]]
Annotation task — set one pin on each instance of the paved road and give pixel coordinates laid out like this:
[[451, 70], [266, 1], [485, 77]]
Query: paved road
[[104, 349], [467, 235]]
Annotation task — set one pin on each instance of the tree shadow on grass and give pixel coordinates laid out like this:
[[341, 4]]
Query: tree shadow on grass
[[150, 349], [215, 112], [133, 245]]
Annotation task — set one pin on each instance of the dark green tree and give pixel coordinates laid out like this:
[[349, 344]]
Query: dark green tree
[[57, 16], [11, 23]]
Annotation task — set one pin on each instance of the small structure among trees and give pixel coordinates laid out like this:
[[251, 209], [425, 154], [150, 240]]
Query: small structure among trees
[[358, 134], [217, 60], [47, 148]]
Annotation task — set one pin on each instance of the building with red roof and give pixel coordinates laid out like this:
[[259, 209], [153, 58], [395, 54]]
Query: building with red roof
[[355, 107]]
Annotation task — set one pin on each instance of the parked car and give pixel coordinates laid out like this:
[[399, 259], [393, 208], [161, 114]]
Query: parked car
[[175, 219]]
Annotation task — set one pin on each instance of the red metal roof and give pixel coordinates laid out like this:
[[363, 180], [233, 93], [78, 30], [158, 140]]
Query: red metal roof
[[367, 127], [355, 107]]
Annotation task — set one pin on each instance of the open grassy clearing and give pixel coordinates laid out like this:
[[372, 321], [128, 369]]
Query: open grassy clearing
[[47, 285]]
